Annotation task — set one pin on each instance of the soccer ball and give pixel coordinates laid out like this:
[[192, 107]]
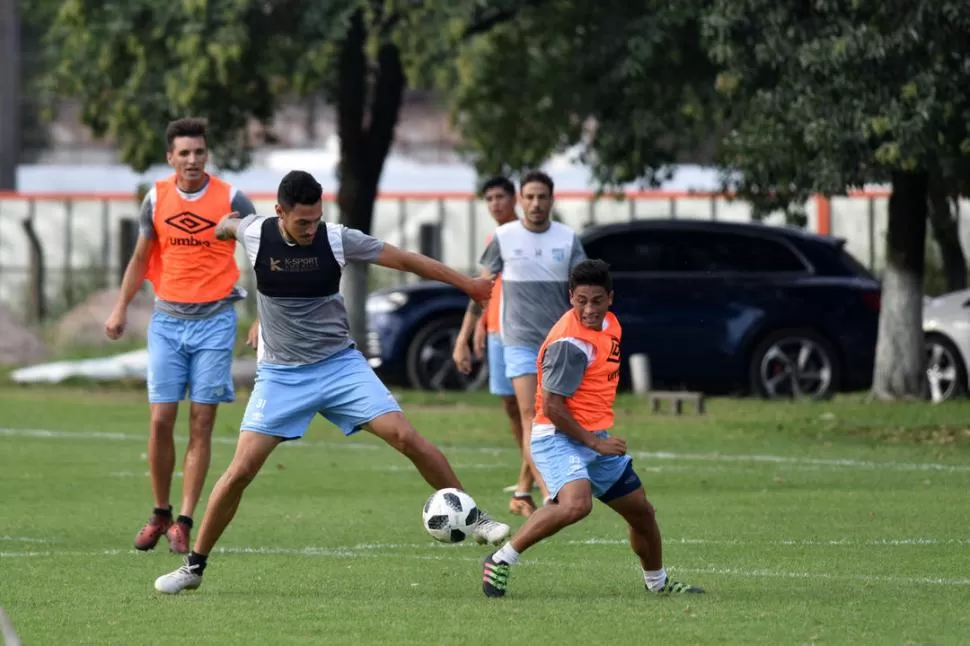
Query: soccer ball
[[450, 515]]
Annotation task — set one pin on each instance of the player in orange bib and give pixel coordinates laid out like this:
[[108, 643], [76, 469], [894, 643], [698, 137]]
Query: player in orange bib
[[578, 372], [193, 328]]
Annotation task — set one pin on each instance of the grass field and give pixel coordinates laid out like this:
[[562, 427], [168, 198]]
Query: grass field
[[816, 523]]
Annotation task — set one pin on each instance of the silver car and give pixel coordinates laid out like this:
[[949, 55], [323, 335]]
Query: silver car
[[946, 326]]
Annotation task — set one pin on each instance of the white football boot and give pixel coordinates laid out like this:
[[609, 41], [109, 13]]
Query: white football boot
[[491, 531], [184, 578]]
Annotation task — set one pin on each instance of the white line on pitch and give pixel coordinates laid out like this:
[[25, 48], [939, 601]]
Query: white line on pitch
[[834, 463], [177, 474], [872, 578], [357, 552]]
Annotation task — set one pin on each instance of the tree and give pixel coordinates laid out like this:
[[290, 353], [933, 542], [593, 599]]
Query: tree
[[946, 230], [628, 82], [136, 65], [833, 94]]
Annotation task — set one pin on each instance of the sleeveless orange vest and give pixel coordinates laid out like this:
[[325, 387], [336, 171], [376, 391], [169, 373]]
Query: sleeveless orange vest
[[592, 403], [493, 317], [188, 264]]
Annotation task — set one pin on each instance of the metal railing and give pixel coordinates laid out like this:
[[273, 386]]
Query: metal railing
[[81, 235]]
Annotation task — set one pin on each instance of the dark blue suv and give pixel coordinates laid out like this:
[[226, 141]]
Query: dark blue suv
[[716, 306]]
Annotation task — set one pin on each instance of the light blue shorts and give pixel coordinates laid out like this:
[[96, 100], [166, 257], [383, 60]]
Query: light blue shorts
[[520, 360], [191, 355], [498, 383], [561, 460], [342, 388]]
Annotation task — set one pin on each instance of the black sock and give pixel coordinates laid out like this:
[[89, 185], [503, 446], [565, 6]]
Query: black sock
[[197, 562], [165, 512], [185, 520]]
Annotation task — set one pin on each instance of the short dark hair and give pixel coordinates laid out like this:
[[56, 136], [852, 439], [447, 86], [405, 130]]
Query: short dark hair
[[594, 272], [186, 127], [298, 187], [537, 176], [499, 181]]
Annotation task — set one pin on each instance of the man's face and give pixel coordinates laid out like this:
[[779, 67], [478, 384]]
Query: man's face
[[188, 157], [536, 201], [591, 303], [301, 222], [501, 205]]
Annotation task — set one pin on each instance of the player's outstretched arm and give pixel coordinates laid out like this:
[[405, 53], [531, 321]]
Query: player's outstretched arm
[[226, 229], [390, 256]]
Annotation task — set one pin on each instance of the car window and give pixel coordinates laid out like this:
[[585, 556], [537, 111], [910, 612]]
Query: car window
[[730, 252], [652, 251], [693, 252]]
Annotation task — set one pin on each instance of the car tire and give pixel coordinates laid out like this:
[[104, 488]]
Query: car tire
[[946, 371], [794, 363], [428, 362]]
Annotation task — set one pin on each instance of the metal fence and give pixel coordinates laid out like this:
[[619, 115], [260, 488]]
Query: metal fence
[[81, 234]]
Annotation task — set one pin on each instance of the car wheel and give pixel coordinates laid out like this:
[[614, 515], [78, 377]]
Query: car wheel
[[946, 373], [794, 364], [429, 363]]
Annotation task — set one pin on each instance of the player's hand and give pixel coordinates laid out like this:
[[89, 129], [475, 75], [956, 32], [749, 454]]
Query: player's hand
[[478, 341], [114, 327], [252, 339], [235, 215], [462, 357], [610, 446], [480, 289]]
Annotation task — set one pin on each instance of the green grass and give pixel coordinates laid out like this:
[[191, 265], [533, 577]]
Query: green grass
[[832, 523]]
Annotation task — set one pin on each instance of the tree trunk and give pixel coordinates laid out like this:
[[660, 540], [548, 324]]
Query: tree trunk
[[900, 358], [10, 93], [36, 299], [946, 232], [365, 141]]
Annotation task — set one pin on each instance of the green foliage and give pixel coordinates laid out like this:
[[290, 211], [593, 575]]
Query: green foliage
[[831, 94], [137, 65], [629, 81]]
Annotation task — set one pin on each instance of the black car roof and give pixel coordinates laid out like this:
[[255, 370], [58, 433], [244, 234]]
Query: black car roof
[[715, 226]]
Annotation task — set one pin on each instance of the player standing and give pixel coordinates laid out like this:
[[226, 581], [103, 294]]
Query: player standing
[[571, 445], [534, 256], [193, 328], [307, 361], [499, 195]]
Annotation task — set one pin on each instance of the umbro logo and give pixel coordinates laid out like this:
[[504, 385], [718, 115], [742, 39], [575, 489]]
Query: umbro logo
[[190, 222]]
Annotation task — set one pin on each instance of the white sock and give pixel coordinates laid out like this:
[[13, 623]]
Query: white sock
[[522, 494], [655, 579], [507, 554]]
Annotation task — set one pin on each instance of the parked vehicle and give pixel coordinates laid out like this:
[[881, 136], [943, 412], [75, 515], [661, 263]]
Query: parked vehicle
[[716, 306], [946, 326]]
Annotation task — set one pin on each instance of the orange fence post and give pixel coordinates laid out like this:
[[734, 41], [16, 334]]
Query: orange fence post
[[824, 209]]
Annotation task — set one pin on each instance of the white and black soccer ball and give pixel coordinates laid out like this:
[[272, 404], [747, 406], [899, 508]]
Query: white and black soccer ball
[[450, 515]]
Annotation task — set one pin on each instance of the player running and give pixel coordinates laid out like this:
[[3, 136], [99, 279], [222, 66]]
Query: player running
[[571, 446], [307, 361], [499, 195], [193, 328]]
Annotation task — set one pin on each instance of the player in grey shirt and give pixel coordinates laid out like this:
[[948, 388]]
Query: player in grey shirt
[[534, 255], [308, 363]]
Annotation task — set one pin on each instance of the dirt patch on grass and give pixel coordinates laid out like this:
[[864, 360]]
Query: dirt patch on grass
[[930, 436], [18, 344]]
